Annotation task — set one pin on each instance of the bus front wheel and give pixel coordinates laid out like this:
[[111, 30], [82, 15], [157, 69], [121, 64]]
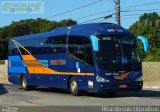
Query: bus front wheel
[[73, 87]]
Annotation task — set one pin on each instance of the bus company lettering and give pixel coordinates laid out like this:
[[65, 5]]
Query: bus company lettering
[[58, 62]]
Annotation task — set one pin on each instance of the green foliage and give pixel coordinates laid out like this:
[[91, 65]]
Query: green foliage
[[148, 25], [26, 27]]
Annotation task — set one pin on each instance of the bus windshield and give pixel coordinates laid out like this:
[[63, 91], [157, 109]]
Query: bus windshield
[[117, 52]]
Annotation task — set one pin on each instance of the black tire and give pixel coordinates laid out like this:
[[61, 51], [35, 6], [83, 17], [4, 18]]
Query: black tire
[[73, 87], [24, 83]]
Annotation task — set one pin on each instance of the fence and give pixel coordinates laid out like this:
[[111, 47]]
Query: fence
[[151, 71], [3, 69]]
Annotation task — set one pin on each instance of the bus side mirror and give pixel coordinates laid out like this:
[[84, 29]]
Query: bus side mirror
[[95, 43], [144, 42]]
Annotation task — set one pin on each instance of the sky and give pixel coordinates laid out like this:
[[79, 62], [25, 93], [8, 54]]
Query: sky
[[53, 7]]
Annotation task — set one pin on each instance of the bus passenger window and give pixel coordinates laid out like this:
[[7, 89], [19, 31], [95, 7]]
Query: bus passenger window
[[57, 44], [80, 47], [40, 46], [89, 57], [30, 46], [88, 51], [11, 48], [76, 47], [24, 44]]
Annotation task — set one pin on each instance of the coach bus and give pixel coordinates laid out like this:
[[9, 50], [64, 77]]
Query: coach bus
[[95, 57]]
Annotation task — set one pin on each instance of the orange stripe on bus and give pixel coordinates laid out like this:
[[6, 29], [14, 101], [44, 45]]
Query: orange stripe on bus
[[123, 76]]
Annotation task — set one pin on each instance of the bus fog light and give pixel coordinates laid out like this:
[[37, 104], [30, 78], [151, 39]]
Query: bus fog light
[[139, 79], [100, 79], [90, 84]]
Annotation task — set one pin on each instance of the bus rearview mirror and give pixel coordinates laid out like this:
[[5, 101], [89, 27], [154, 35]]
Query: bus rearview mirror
[[95, 43], [144, 42]]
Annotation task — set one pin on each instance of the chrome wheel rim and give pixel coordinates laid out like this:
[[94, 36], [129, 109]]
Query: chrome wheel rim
[[24, 83], [73, 86]]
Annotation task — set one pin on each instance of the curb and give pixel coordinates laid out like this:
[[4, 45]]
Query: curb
[[5, 83], [151, 87]]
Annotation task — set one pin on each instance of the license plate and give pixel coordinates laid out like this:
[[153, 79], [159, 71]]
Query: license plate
[[123, 86]]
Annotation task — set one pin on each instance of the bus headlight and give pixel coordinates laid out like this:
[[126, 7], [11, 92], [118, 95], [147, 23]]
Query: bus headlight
[[101, 79], [139, 79]]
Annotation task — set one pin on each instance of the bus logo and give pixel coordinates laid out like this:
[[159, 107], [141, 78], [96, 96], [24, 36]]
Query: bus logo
[[58, 62]]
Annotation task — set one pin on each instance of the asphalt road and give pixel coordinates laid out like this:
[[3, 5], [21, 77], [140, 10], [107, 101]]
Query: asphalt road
[[13, 95]]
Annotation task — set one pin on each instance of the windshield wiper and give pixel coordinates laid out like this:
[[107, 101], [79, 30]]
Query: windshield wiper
[[117, 53], [121, 50]]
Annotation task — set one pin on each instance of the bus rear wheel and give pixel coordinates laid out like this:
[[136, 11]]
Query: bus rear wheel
[[73, 87], [24, 84]]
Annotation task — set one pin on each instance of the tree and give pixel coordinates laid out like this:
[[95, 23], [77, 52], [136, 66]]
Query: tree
[[148, 25]]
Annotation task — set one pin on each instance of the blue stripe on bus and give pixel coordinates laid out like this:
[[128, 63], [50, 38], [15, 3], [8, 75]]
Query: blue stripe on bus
[[44, 62], [18, 63], [17, 70], [14, 58]]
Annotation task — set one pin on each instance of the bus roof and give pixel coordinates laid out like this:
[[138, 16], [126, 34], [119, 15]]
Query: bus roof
[[80, 30]]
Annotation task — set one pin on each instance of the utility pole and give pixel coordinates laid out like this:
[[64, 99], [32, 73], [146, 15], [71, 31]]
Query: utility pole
[[118, 19]]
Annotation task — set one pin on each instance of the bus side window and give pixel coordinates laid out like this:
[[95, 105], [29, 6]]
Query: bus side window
[[11, 48], [26, 44], [30, 46], [80, 47], [88, 52], [76, 47], [16, 51], [40, 46], [57, 44]]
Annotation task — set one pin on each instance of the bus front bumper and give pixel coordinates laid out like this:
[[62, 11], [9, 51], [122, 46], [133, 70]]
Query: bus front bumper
[[119, 86]]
